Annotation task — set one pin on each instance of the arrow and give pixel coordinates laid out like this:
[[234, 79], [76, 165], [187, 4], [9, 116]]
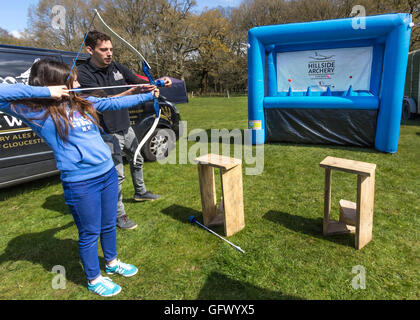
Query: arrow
[[109, 87], [192, 219]]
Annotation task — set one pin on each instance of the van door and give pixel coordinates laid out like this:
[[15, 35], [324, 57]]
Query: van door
[[23, 155]]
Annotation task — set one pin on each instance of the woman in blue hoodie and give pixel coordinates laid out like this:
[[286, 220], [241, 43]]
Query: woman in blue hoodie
[[69, 125]]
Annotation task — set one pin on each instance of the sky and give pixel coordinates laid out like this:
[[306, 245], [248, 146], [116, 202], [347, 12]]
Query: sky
[[13, 13]]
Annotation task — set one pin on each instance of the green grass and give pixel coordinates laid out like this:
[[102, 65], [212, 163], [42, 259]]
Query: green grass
[[286, 255]]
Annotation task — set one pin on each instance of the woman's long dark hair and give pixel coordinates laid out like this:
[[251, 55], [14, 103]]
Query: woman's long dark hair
[[47, 72]]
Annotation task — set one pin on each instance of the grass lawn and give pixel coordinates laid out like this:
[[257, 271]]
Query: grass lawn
[[286, 256]]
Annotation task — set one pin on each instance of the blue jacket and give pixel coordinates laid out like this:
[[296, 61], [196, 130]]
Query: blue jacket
[[84, 155]]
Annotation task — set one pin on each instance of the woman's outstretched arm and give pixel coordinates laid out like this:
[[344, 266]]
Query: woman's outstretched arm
[[13, 92], [116, 103]]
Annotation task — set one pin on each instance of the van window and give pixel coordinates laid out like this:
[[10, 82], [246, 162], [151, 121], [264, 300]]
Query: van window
[[15, 67], [69, 59]]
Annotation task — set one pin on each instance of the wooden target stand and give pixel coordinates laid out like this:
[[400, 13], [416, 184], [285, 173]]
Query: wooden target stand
[[354, 217], [231, 210]]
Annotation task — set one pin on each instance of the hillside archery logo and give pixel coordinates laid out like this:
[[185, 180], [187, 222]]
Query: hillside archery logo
[[321, 65]]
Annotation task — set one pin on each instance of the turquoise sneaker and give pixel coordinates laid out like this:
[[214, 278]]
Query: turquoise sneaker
[[104, 287], [124, 269]]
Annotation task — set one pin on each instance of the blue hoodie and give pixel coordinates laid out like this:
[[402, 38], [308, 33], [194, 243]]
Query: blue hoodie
[[84, 155]]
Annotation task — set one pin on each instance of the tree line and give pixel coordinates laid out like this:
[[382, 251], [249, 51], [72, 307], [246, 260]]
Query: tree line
[[208, 49]]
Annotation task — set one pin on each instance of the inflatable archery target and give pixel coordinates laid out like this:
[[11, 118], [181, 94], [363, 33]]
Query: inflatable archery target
[[329, 82]]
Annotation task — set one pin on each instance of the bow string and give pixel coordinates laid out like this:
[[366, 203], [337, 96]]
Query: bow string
[[146, 70]]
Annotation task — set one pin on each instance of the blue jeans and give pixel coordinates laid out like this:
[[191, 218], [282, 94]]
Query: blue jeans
[[93, 204]]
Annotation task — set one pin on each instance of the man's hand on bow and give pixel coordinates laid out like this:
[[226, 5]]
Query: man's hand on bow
[[167, 81], [156, 93], [136, 90], [146, 88]]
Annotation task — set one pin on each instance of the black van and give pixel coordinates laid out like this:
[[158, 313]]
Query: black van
[[24, 156]]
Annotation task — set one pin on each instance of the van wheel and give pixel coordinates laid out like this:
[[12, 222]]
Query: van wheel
[[159, 144]]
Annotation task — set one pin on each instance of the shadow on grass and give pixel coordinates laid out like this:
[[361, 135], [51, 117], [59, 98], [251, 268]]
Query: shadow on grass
[[220, 287], [56, 202], [309, 226], [182, 214], [23, 188], [45, 249]]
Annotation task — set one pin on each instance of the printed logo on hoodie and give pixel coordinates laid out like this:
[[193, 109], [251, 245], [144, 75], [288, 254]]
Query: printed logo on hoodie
[[79, 122]]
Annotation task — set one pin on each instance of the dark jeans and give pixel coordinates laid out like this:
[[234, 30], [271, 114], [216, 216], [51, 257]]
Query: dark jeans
[[126, 142], [93, 204]]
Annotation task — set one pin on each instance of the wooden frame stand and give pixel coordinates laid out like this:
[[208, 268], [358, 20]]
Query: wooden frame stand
[[232, 195], [354, 217]]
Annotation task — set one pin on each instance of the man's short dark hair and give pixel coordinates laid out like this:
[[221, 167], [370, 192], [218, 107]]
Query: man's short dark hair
[[93, 37]]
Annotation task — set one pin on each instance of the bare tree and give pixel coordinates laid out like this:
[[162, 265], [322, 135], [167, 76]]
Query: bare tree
[[45, 34], [208, 50]]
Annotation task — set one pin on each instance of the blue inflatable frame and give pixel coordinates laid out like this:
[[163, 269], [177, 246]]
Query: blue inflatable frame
[[388, 34]]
